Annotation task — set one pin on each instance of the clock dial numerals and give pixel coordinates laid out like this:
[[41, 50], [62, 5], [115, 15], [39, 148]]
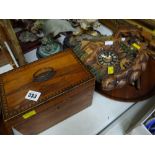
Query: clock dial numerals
[[107, 58]]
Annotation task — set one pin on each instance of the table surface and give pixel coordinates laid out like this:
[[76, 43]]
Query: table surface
[[91, 120], [5, 68]]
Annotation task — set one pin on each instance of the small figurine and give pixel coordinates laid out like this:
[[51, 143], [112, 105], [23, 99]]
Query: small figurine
[[48, 47], [27, 36], [87, 26], [53, 26]]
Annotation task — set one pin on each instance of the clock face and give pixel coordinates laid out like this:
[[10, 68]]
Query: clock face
[[107, 58]]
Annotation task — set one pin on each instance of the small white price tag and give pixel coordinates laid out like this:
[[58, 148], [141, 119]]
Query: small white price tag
[[110, 42], [32, 95], [122, 39]]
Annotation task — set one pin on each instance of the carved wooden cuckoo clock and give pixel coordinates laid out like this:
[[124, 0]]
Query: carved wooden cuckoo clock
[[117, 63]]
